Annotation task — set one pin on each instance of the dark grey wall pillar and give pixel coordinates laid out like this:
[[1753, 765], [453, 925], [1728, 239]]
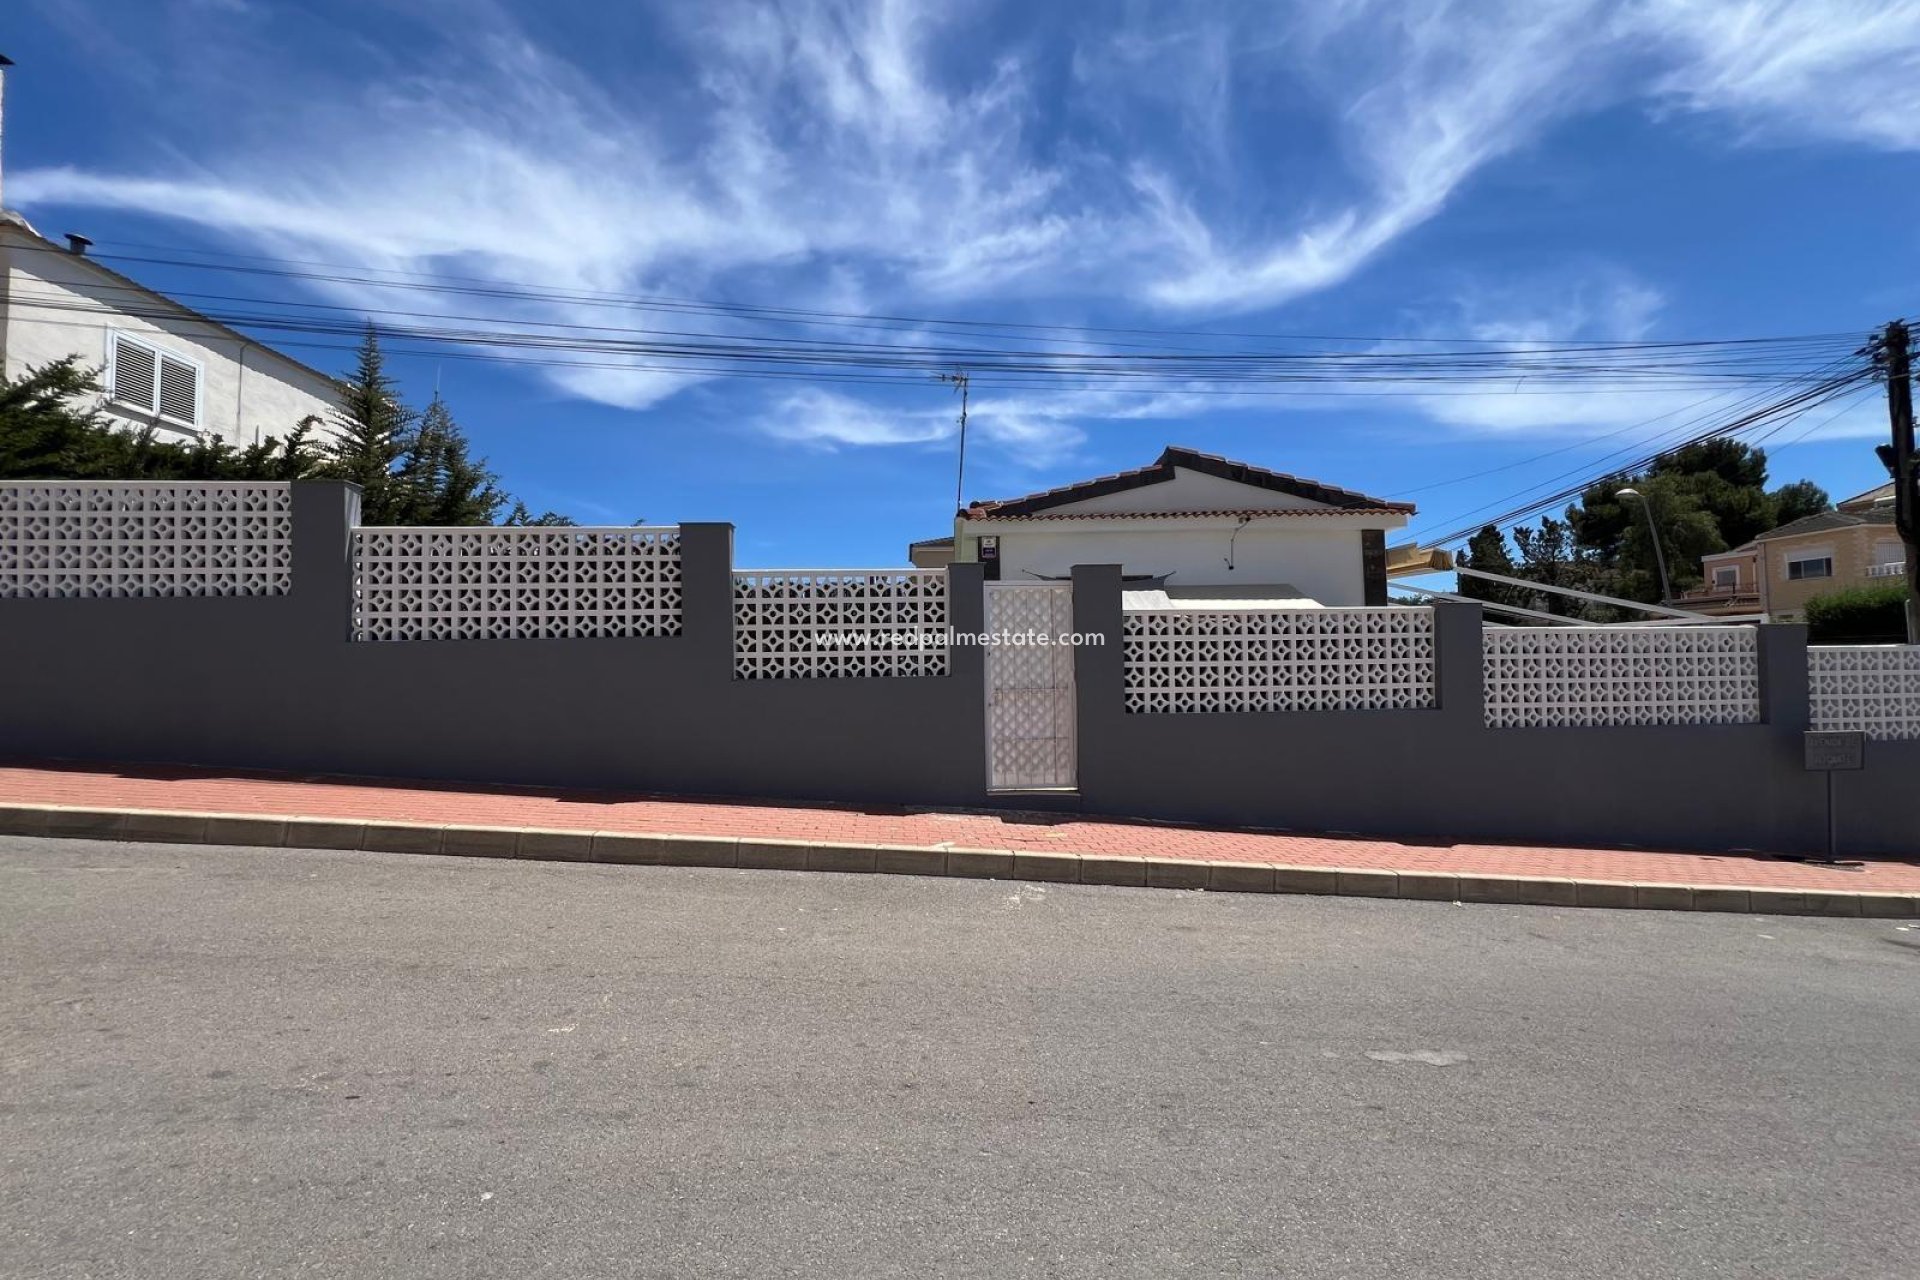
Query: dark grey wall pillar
[[967, 616], [706, 610], [1459, 665], [325, 514], [1785, 691], [1099, 670]]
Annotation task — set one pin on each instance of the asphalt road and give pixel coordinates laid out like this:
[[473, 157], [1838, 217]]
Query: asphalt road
[[237, 1062]]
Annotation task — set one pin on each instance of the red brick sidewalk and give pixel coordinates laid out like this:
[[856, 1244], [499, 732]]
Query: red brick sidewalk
[[204, 791]]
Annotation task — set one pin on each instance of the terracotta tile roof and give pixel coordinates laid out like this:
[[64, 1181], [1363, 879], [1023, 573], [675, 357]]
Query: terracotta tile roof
[[1162, 470]]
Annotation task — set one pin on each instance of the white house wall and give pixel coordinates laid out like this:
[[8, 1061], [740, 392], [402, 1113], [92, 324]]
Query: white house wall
[[247, 392], [1325, 564]]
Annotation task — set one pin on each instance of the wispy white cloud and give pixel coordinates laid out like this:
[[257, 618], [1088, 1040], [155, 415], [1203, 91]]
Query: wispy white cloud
[[1847, 71], [889, 154]]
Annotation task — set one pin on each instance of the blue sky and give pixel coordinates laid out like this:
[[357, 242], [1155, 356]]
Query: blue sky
[[1669, 169]]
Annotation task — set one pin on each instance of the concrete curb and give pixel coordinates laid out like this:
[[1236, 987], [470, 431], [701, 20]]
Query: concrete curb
[[649, 849]]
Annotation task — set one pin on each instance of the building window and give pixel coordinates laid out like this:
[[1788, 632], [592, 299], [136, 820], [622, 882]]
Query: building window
[[144, 378], [1726, 577], [1812, 567]]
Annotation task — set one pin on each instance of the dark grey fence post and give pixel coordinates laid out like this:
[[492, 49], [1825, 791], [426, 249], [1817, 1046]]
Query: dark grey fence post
[[1099, 670], [1785, 690], [1460, 664], [967, 616], [325, 514], [706, 587]]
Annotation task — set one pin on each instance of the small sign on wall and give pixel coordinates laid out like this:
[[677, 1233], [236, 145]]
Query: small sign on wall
[[1828, 750]]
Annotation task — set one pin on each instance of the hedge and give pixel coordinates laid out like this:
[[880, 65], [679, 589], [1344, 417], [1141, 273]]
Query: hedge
[[1859, 615]]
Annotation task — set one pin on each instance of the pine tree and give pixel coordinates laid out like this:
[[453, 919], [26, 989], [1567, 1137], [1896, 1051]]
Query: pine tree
[[375, 432], [439, 480], [1487, 552], [520, 518]]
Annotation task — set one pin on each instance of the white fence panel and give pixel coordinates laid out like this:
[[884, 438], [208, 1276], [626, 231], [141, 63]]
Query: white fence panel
[[135, 538], [838, 623], [1590, 676], [515, 584], [1279, 659], [1874, 688]]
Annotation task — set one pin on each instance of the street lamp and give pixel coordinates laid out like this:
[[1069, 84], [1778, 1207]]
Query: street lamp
[[1659, 556]]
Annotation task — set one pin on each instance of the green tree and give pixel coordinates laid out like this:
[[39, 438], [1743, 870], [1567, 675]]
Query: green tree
[[520, 517], [438, 481], [375, 432], [411, 469], [1704, 498], [1796, 501], [50, 429], [1487, 552]]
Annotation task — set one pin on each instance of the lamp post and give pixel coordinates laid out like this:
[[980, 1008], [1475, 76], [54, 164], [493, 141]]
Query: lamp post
[[1659, 556]]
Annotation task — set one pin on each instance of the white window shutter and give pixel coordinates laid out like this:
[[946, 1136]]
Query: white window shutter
[[179, 391], [133, 374]]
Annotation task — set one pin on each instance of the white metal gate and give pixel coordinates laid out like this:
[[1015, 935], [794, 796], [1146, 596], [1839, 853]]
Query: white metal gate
[[1030, 703]]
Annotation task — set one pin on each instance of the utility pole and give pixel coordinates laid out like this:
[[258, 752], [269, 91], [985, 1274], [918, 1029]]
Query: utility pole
[[958, 380], [1894, 354]]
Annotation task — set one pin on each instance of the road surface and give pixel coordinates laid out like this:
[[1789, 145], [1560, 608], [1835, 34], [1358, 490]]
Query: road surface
[[263, 1062]]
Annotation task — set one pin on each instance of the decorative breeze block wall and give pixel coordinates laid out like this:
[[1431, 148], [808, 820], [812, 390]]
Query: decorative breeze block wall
[[1874, 688], [131, 538], [1590, 676], [515, 584], [1279, 659], [805, 623]]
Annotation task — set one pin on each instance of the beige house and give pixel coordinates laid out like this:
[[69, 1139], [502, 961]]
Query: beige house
[[1854, 545]]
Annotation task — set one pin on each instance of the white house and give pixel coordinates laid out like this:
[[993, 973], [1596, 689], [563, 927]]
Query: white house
[[1196, 526], [163, 365]]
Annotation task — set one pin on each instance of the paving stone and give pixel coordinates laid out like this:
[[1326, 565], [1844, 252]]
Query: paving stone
[[1720, 898], [1173, 873], [85, 824], [699, 851], [833, 856], [23, 819], [1306, 880], [909, 860], [1103, 868], [1430, 886], [324, 833], [1056, 868], [165, 828], [399, 838], [1240, 877], [980, 864], [270, 833], [1366, 883], [1663, 897], [478, 842], [1589, 893], [555, 846], [771, 855]]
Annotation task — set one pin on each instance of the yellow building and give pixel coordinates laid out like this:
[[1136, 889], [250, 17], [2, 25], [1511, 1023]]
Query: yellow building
[[1854, 545]]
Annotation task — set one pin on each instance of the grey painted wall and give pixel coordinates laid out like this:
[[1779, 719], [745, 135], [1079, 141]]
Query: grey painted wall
[[276, 683]]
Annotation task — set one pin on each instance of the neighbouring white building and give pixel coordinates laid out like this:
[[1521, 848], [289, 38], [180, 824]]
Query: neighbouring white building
[[162, 365], [1200, 529]]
